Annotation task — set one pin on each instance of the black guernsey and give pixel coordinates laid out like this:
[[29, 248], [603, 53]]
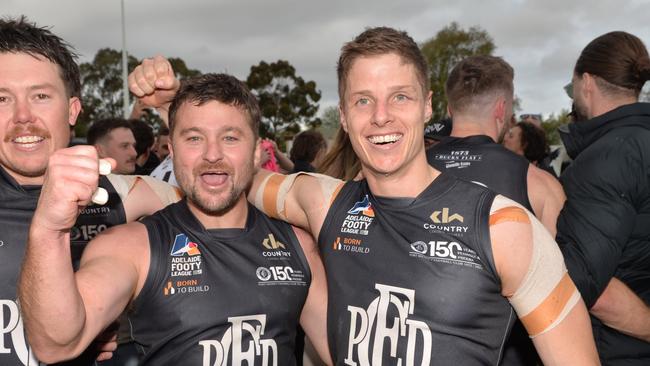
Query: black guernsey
[[17, 206], [480, 159], [220, 297], [413, 281]]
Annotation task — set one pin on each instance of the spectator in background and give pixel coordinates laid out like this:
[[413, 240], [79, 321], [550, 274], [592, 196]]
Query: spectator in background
[[341, 162], [527, 140], [435, 131], [113, 138], [146, 161], [309, 147], [161, 147], [535, 119], [603, 228]]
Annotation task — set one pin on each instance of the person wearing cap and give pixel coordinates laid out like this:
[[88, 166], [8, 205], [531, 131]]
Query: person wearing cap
[[434, 132], [603, 228]]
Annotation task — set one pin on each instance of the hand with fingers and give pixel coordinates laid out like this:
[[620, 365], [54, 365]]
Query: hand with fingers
[[71, 183], [154, 82]]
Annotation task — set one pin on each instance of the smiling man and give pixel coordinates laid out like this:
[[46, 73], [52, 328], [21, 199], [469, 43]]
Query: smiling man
[[422, 268], [207, 281], [39, 101]]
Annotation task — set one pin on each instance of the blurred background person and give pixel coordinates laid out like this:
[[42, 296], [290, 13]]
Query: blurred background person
[[146, 161], [308, 149], [113, 138], [341, 162], [528, 140], [161, 147]]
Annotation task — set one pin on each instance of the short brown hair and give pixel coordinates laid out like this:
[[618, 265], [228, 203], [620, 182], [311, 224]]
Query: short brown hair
[[379, 41], [475, 77], [216, 87], [22, 36], [618, 58]]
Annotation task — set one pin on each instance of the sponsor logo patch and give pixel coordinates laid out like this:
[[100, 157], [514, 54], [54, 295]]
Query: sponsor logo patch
[[359, 218], [279, 275], [273, 249], [449, 252], [446, 221], [350, 245], [186, 257]]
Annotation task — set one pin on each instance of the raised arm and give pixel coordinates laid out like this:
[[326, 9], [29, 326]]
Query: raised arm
[[154, 83], [535, 281], [64, 311]]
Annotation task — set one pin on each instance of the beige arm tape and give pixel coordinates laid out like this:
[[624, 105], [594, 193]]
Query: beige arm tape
[[546, 295], [272, 193], [123, 184]]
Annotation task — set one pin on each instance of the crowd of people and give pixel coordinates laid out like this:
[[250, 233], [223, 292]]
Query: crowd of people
[[458, 242]]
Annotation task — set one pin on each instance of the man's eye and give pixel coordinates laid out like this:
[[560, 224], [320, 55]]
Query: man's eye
[[363, 101], [401, 97], [42, 96]]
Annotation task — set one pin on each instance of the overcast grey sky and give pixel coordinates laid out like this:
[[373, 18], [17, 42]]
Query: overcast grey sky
[[541, 39]]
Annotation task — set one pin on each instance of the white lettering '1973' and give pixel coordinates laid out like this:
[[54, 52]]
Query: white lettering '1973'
[[364, 321], [12, 325], [215, 352]]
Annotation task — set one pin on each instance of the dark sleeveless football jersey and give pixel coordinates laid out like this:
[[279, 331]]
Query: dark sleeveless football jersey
[[413, 281], [220, 297], [94, 219], [480, 159], [17, 206]]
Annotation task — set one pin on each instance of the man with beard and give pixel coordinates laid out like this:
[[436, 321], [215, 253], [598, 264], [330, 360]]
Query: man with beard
[[39, 101], [603, 228], [208, 280], [422, 268], [113, 138]]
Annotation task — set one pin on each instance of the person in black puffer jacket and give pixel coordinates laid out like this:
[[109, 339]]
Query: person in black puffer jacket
[[604, 227]]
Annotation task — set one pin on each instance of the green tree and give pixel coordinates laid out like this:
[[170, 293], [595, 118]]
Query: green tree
[[101, 86], [551, 124], [330, 122], [451, 45], [288, 102]]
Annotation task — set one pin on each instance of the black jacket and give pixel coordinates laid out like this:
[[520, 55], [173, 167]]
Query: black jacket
[[604, 227]]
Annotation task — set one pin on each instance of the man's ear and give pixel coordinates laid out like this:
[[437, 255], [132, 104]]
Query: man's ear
[[428, 109], [74, 108], [101, 151], [342, 118], [499, 111], [588, 85], [257, 154]]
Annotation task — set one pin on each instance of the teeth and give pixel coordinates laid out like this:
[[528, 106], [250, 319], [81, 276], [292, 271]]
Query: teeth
[[384, 139], [28, 139]]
